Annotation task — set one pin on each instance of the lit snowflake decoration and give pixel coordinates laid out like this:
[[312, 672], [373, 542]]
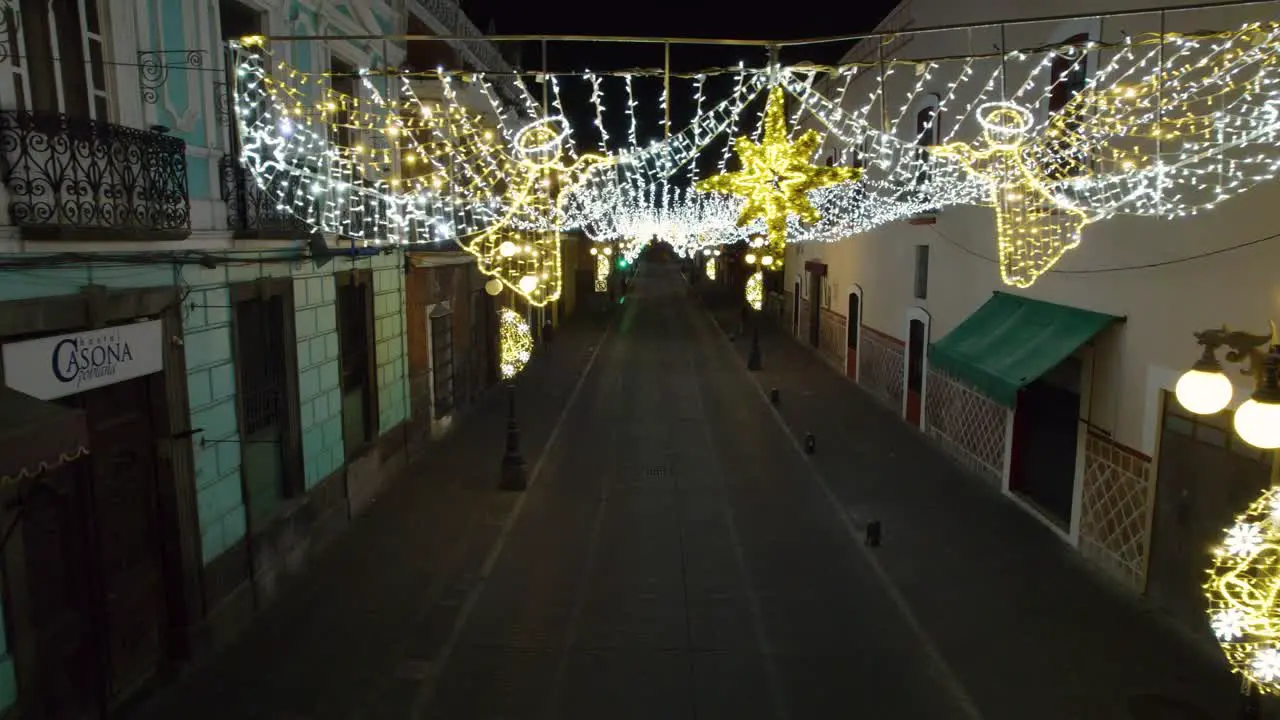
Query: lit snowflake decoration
[[1228, 624], [1266, 665], [1242, 587], [1243, 539]]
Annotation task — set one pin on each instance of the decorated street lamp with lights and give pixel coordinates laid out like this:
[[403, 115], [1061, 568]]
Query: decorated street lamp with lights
[[1244, 574], [515, 347]]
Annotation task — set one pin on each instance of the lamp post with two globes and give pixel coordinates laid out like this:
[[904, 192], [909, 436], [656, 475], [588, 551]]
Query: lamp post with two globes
[[754, 297], [1205, 389]]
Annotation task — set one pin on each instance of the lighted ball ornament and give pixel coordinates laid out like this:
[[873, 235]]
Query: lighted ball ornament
[[515, 341], [1243, 583]]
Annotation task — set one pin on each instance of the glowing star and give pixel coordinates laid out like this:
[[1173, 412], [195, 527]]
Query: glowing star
[[515, 343], [1242, 591], [776, 175]]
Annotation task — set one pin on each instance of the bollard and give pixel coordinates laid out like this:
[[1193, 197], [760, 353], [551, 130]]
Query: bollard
[[873, 533], [774, 396], [810, 444]]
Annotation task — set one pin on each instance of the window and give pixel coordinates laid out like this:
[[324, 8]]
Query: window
[[237, 21], [62, 42], [441, 321], [263, 373], [343, 79], [1068, 75], [928, 133], [922, 272], [359, 396]]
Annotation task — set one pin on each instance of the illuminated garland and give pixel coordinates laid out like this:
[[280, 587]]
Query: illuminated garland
[[710, 267], [515, 343], [1166, 126], [1242, 590], [755, 290]]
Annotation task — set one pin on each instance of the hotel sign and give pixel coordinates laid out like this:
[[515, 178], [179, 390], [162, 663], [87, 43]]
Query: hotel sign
[[54, 367]]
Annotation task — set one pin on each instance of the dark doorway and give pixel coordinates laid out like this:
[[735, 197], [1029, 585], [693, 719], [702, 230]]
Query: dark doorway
[[795, 311], [815, 308], [1207, 474], [915, 369], [94, 589], [1045, 427], [853, 325]]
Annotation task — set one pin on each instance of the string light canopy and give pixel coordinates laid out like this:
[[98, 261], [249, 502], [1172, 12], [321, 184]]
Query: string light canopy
[[1165, 125], [515, 343]]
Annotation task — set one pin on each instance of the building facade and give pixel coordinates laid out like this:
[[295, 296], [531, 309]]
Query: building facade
[[204, 404], [1095, 447]]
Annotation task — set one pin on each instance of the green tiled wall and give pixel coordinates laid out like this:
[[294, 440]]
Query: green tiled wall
[[389, 336], [314, 297]]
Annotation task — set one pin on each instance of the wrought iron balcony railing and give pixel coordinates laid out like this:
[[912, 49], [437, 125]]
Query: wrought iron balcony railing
[[78, 179], [257, 212]]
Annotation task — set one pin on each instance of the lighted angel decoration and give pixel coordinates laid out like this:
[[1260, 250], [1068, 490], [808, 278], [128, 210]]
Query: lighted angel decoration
[[1168, 125]]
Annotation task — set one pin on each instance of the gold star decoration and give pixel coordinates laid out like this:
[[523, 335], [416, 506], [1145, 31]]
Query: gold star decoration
[[776, 175]]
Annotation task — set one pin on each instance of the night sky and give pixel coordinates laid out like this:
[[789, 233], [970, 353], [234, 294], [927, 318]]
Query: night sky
[[665, 18]]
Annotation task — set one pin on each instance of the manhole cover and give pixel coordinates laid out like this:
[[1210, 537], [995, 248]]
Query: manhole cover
[[655, 471], [1162, 707]]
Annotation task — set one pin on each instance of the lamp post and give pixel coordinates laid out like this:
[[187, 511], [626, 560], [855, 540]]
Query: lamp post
[[514, 476], [516, 346], [760, 263], [1205, 389]]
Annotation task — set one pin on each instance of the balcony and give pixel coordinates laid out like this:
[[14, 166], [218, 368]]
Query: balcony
[[257, 212], [78, 179]]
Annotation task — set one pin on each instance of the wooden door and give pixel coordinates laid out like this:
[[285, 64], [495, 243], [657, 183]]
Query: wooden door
[[60, 680], [795, 310], [815, 308], [852, 326], [123, 504], [915, 370]]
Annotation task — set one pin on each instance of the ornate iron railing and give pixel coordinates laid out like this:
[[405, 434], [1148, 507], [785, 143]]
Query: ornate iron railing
[[254, 211], [83, 179]]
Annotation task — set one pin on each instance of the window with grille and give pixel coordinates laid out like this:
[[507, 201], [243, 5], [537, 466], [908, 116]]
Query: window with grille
[[442, 362], [359, 416], [62, 44], [263, 390]]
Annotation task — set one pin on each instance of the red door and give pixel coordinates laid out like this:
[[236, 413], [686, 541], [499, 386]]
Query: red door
[[915, 370]]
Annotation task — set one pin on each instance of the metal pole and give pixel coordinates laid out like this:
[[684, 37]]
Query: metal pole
[[830, 39], [546, 83], [666, 89]]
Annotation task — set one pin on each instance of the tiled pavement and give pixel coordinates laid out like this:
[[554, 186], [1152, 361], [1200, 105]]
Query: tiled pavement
[[1030, 631], [679, 557], [377, 599]]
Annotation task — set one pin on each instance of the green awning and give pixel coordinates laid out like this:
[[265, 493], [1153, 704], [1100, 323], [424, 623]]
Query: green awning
[[1011, 341]]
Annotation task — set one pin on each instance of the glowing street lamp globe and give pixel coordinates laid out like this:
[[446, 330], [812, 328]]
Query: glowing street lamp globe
[[493, 286], [767, 260], [751, 258], [507, 249], [1258, 423], [1203, 392]]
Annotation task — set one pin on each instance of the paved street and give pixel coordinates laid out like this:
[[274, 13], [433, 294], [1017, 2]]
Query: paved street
[[679, 556]]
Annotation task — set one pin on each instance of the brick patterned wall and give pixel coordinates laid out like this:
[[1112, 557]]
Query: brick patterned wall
[[831, 337], [1115, 509], [880, 360], [970, 426]]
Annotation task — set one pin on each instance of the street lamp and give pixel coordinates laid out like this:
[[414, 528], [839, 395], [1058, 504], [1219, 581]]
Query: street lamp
[[754, 297], [516, 346], [1205, 388]]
